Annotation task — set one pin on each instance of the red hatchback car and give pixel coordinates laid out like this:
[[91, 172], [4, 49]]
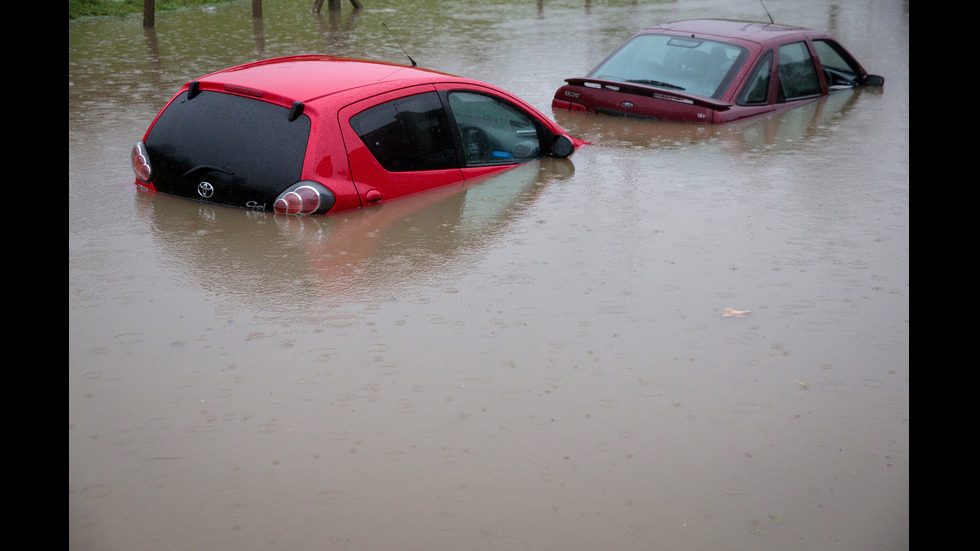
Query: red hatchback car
[[318, 134], [714, 71]]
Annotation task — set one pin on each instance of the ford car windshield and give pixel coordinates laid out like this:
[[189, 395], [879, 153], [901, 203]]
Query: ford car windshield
[[697, 67]]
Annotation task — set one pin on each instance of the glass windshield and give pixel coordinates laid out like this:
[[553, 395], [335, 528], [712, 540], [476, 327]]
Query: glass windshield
[[698, 67]]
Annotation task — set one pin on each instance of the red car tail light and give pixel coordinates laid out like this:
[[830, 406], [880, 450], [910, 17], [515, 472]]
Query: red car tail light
[[305, 198], [141, 163], [567, 105]]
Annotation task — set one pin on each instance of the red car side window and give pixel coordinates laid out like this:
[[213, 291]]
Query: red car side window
[[408, 134], [797, 74], [839, 67], [493, 131], [756, 90]]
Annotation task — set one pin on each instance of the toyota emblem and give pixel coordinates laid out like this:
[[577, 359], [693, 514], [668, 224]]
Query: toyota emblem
[[205, 190]]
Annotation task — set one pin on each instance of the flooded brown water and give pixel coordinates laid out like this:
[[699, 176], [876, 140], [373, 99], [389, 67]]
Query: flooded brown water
[[682, 338]]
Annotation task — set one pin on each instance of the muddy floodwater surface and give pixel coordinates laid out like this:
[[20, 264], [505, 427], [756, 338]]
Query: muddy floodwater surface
[[683, 337]]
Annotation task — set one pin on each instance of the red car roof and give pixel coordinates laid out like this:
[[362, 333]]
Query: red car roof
[[305, 78], [725, 28]]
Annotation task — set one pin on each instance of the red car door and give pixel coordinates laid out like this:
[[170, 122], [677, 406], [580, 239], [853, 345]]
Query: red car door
[[399, 143]]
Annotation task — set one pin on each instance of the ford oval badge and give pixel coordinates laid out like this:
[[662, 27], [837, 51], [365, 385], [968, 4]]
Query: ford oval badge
[[627, 104]]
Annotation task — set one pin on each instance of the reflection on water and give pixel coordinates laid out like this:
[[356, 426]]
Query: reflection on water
[[383, 249], [542, 360]]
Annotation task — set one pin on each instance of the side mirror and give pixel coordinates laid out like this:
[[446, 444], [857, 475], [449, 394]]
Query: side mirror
[[562, 147], [874, 80]]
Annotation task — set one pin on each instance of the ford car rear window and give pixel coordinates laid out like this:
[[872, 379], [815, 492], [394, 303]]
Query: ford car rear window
[[698, 67]]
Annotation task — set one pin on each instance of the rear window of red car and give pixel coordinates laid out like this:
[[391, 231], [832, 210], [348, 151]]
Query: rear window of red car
[[253, 142]]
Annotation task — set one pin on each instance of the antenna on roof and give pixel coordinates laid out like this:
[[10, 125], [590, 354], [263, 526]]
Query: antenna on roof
[[400, 46], [771, 22]]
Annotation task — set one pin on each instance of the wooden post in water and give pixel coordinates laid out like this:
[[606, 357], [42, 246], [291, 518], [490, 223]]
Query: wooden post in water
[[257, 9], [334, 5], [149, 9]]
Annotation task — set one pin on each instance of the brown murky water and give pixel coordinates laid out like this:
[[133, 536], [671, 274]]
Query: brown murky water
[[547, 360]]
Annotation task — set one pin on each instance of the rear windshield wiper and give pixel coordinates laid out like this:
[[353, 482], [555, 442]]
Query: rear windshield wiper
[[657, 83]]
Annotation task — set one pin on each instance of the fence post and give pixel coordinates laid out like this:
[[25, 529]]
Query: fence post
[[334, 5], [149, 8]]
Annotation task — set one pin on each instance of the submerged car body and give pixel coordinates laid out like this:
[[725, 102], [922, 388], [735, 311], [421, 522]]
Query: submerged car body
[[714, 71], [318, 134]]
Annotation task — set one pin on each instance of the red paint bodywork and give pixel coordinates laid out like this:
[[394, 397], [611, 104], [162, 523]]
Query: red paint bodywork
[[334, 89], [604, 96]]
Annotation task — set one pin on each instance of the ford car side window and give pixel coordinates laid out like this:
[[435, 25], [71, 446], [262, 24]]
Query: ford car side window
[[756, 91], [839, 69], [797, 74]]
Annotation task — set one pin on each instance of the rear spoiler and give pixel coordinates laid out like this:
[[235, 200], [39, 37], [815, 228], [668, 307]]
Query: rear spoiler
[[649, 91]]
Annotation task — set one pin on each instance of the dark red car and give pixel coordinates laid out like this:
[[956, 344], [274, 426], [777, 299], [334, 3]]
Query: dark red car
[[714, 71], [318, 134]]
